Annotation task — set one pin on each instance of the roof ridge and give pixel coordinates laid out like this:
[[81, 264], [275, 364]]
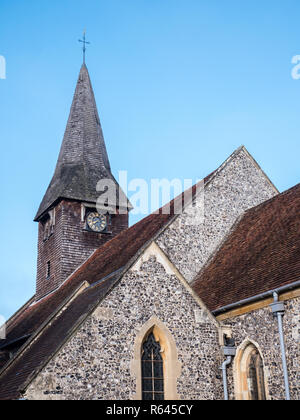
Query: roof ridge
[[128, 243], [269, 200], [234, 226], [259, 253], [207, 180], [39, 330], [259, 168], [21, 310]]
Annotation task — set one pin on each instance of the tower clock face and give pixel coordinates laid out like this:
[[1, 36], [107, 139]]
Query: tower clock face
[[96, 222]]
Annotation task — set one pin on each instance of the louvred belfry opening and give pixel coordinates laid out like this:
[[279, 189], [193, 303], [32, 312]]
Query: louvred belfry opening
[[64, 238]]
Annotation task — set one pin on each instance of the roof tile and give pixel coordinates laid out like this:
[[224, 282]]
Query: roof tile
[[261, 253]]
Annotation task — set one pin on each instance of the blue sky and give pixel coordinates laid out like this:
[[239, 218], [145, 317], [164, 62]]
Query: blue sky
[[179, 84]]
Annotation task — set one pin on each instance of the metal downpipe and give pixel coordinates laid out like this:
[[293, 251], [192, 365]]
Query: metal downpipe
[[229, 351], [224, 374], [278, 311]]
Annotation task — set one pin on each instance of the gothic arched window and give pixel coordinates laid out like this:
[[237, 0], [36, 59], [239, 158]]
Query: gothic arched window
[[152, 370], [249, 373], [256, 376]]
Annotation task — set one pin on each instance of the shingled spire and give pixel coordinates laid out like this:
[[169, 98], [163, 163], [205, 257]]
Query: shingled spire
[[70, 228], [83, 159]]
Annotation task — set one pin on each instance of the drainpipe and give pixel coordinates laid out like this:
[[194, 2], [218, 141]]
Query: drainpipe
[[228, 351], [278, 311]]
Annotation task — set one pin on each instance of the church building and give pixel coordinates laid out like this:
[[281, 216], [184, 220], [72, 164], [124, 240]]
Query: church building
[[171, 308]]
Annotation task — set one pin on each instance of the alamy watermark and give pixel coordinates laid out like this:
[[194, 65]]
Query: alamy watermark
[[296, 68], [2, 67], [2, 328], [154, 196]]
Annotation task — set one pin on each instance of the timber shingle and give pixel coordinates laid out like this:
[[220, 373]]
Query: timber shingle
[[83, 159]]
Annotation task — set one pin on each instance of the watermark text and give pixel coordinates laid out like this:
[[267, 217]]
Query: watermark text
[[2, 328], [2, 67], [153, 196], [296, 68]]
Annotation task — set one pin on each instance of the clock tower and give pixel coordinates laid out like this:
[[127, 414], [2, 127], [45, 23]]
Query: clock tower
[[72, 223]]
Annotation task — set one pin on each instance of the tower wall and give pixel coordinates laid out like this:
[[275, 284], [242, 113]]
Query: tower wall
[[68, 245]]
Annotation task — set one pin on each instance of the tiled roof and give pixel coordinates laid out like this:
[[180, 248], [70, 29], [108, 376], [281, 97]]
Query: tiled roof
[[33, 357], [101, 271], [107, 259], [110, 257], [261, 253]]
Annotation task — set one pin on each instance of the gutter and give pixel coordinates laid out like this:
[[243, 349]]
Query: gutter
[[278, 311], [256, 297]]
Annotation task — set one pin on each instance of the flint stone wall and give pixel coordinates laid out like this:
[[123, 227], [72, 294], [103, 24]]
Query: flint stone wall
[[260, 326], [96, 362], [238, 186]]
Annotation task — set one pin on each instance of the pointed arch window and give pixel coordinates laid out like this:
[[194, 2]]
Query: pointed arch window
[[152, 370], [249, 373], [256, 376]]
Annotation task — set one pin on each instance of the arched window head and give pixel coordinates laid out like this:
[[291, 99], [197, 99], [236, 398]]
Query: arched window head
[[152, 370], [249, 373], [155, 365], [256, 376]]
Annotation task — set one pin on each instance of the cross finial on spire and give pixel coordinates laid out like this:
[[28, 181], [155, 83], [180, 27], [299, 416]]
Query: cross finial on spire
[[84, 45]]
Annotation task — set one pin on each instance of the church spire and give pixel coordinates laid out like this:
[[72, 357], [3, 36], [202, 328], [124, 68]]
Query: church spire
[[70, 227], [83, 158]]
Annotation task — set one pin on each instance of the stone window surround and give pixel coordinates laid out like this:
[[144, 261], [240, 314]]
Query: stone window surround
[[240, 368], [85, 207], [172, 366]]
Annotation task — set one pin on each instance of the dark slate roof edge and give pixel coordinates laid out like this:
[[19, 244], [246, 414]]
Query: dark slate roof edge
[[84, 316], [39, 214], [9, 343], [114, 273], [19, 311], [40, 329], [69, 334]]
